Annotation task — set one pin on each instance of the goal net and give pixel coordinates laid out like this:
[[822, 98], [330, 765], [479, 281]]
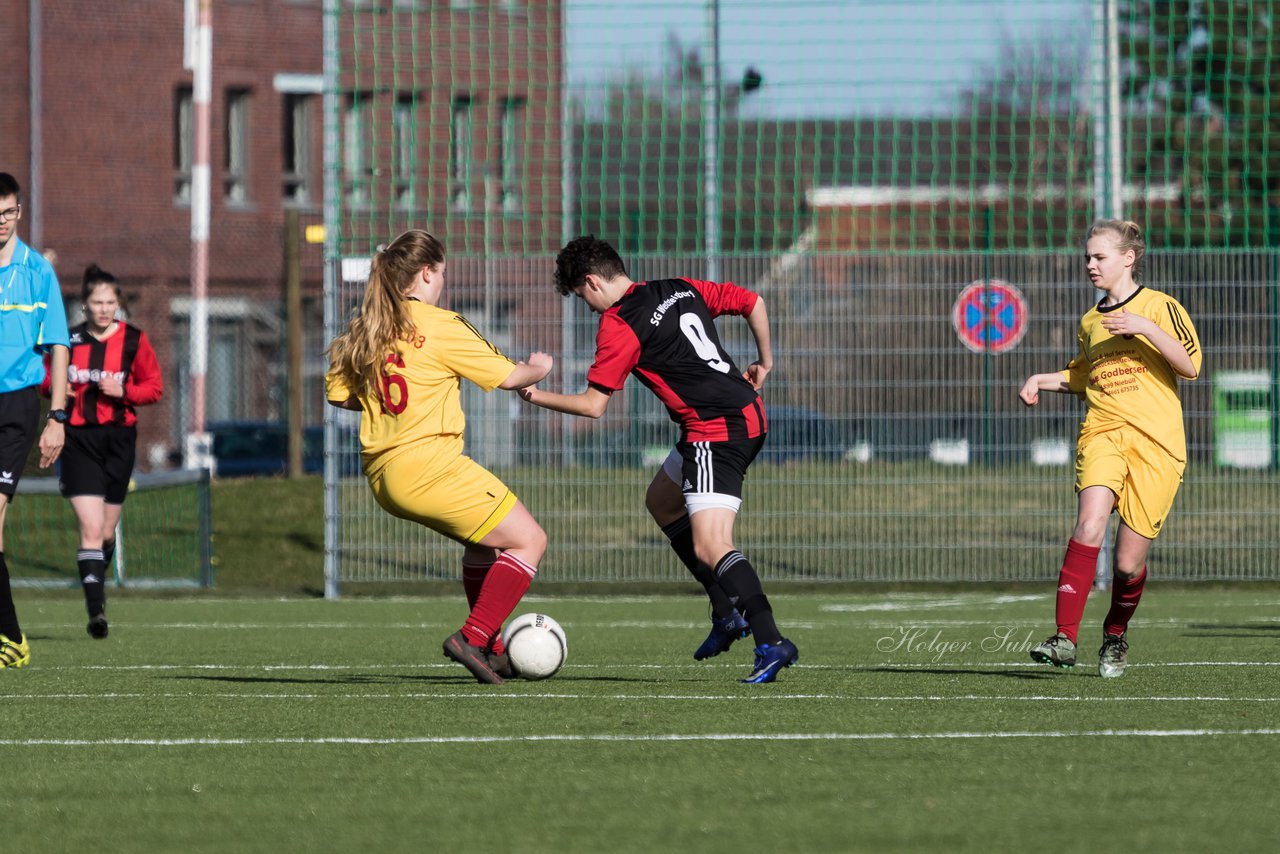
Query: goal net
[[163, 540]]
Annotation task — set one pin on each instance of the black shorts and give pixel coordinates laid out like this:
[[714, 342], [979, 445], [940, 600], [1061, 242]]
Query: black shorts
[[712, 473], [19, 426], [98, 461]]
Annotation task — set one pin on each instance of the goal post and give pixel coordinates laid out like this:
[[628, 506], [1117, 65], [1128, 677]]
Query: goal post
[[164, 539]]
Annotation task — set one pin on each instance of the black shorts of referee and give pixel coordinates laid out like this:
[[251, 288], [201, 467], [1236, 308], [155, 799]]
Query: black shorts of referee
[[98, 461], [19, 426]]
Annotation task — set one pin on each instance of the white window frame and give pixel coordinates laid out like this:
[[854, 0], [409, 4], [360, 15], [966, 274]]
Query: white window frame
[[356, 154], [461, 139], [511, 154], [184, 139], [236, 157], [404, 132]]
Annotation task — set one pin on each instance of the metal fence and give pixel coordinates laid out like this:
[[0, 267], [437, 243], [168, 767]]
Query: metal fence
[[896, 451], [862, 165]]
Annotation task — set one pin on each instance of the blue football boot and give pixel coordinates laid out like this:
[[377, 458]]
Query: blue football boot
[[770, 658], [723, 633]]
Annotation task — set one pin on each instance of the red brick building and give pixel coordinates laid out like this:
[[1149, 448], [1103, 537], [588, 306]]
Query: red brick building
[[109, 119]]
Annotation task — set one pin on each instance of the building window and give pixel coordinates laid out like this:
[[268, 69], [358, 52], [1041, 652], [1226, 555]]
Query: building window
[[297, 148], [460, 132], [356, 160], [183, 143], [235, 173], [405, 132], [512, 153]]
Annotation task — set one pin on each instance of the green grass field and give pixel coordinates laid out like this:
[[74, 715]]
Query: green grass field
[[914, 721]]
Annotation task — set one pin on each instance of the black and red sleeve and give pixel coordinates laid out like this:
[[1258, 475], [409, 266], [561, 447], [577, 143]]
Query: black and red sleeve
[[144, 384]]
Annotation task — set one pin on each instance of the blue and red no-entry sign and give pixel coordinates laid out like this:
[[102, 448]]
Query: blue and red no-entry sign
[[990, 317]]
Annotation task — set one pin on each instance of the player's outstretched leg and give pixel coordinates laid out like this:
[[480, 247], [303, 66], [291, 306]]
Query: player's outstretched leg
[[475, 568], [727, 622], [93, 570], [504, 585], [773, 652]]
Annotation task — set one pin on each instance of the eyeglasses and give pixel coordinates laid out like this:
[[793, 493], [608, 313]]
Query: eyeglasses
[[10, 213]]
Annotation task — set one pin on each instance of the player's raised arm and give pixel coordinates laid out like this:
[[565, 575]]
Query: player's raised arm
[[1174, 351], [591, 403], [1036, 383], [529, 372], [758, 322]]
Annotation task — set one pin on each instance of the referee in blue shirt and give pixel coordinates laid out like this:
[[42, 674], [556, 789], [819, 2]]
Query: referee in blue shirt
[[32, 320]]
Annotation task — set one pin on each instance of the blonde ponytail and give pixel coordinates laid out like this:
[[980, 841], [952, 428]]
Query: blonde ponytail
[[359, 352]]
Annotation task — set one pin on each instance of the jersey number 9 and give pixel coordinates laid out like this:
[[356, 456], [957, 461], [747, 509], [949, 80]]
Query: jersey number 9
[[692, 328]]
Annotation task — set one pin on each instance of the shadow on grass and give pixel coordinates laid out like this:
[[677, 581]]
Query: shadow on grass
[[1232, 630], [952, 671], [393, 679], [574, 680], [287, 680], [305, 542]]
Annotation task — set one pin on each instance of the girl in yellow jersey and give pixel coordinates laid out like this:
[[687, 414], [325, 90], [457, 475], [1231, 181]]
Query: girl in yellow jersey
[[400, 363], [1133, 346]]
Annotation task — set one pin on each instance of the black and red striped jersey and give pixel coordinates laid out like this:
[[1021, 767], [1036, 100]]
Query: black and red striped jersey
[[663, 332], [127, 353]]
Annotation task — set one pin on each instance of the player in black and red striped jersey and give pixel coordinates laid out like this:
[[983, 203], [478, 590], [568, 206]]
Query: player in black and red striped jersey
[[113, 370], [663, 332]]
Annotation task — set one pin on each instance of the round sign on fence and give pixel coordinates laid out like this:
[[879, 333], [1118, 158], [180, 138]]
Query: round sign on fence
[[990, 317]]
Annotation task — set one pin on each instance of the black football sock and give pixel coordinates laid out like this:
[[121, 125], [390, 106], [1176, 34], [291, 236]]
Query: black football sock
[[108, 552], [8, 614], [739, 579], [680, 533], [92, 570]]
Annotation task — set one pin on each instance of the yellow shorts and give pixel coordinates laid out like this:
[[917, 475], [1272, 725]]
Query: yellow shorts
[[457, 497], [1144, 478]]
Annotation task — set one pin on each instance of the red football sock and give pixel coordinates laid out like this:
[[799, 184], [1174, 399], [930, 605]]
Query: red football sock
[[1074, 580], [472, 580], [1125, 593], [504, 585]]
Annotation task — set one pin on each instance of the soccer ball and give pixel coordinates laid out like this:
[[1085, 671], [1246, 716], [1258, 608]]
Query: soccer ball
[[536, 646]]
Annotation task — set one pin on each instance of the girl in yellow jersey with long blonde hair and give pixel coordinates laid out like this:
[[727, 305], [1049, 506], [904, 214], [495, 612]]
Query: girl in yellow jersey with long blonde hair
[[1132, 348], [400, 364]]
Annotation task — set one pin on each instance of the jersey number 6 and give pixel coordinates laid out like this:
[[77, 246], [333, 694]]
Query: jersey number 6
[[399, 383]]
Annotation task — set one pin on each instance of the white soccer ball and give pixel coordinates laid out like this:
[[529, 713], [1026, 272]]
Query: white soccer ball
[[536, 645]]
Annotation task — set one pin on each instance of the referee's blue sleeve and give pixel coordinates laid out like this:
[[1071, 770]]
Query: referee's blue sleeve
[[53, 330]]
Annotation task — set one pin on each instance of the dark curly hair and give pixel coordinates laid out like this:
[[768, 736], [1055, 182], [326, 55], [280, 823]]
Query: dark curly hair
[[9, 185], [584, 256]]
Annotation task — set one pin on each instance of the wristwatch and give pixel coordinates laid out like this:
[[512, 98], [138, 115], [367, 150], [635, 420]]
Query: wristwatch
[[59, 415]]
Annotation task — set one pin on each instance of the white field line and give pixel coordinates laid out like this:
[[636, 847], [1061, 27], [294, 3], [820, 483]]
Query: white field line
[[1019, 666], [636, 666], [676, 625], [670, 737], [924, 604], [485, 695]]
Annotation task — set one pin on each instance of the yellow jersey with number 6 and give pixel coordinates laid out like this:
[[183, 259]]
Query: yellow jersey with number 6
[[1125, 380], [419, 387]]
